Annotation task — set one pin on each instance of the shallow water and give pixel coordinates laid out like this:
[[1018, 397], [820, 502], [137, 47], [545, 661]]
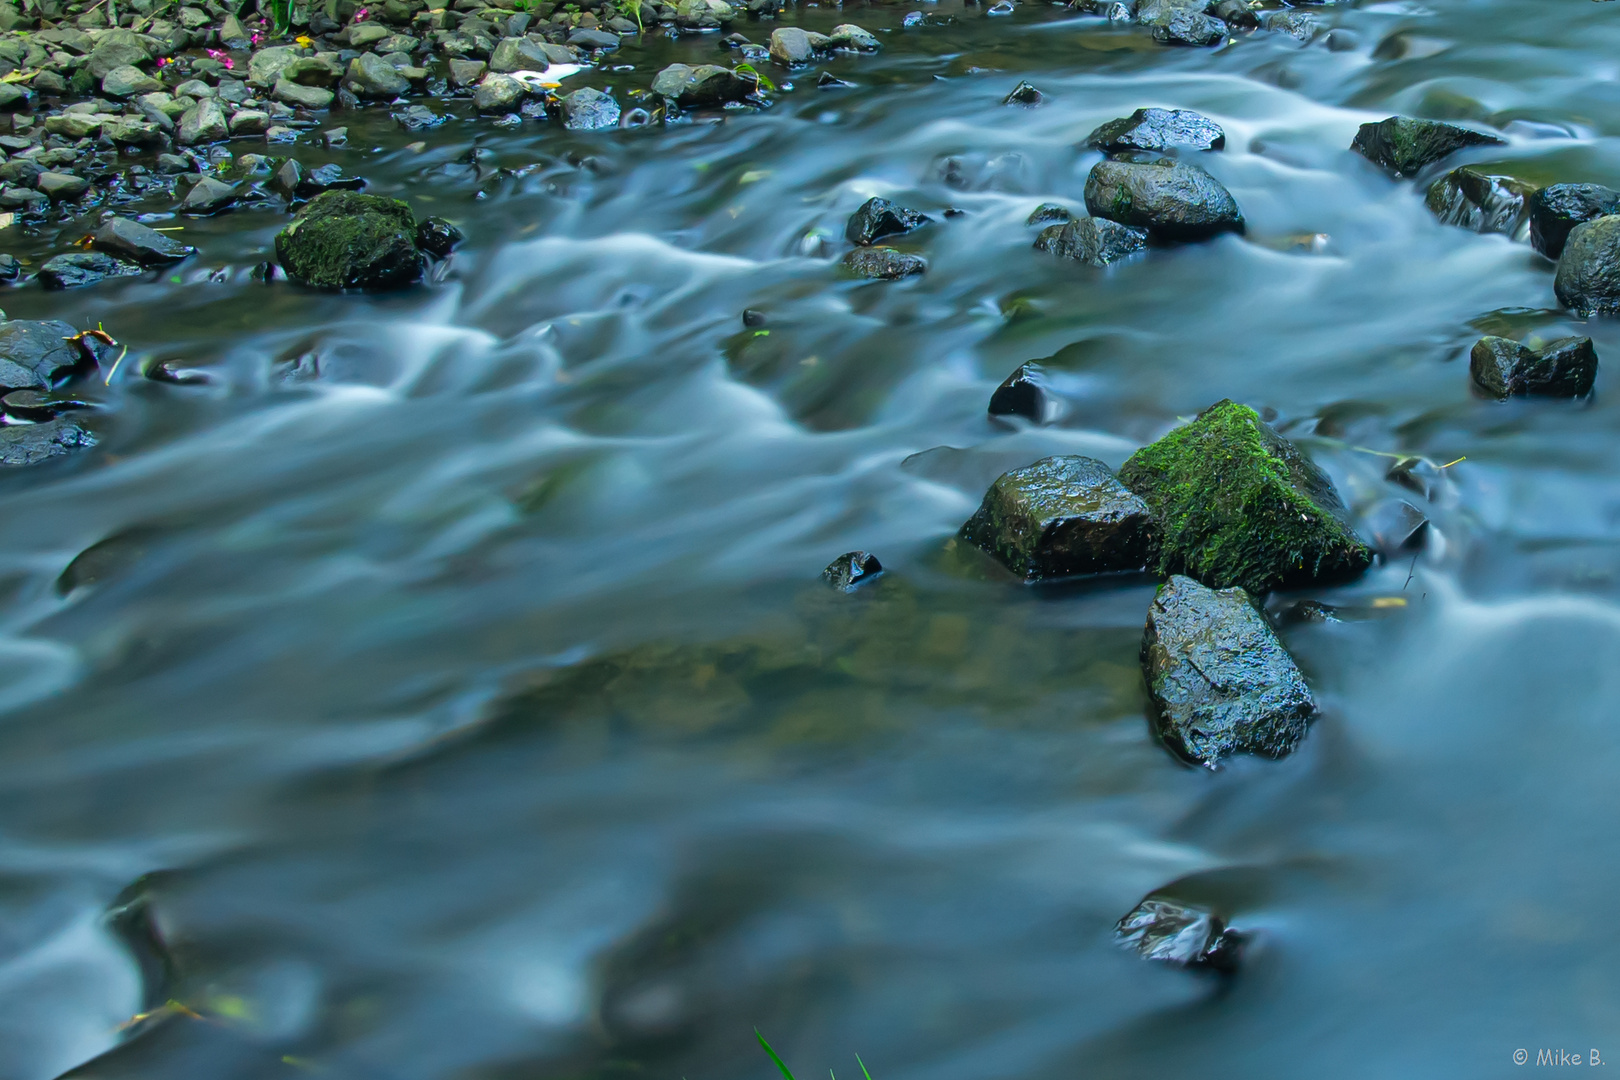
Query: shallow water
[[451, 683]]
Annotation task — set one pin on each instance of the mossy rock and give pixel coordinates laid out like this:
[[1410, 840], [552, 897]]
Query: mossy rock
[[1238, 504], [345, 240]]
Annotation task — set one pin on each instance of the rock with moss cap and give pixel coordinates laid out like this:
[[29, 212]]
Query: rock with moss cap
[[1235, 503], [1402, 146], [345, 240], [1059, 517]]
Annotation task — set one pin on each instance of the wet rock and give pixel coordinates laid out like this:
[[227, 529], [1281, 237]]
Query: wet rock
[[116, 49], [1155, 13], [1236, 13], [207, 197], [878, 218], [1238, 504], [828, 81], [1093, 240], [128, 131], [851, 569], [883, 263], [437, 237], [1023, 393], [707, 85], [1191, 28], [1397, 526], [1299, 25], [1402, 146], [593, 39], [366, 34], [1220, 681], [249, 122], [1558, 208], [370, 77], [266, 65], [518, 54], [849, 37], [1024, 94], [588, 109], [33, 354], [78, 268], [1172, 933], [1504, 368], [1048, 212], [1588, 278], [133, 241], [74, 125], [30, 444], [1059, 517], [417, 118], [464, 73], [61, 187], [204, 122], [1156, 130], [300, 96], [1477, 201], [344, 240], [791, 46], [127, 81], [1172, 200], [498, 94]]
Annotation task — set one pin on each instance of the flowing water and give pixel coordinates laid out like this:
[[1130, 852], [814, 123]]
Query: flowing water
[[448, 684]]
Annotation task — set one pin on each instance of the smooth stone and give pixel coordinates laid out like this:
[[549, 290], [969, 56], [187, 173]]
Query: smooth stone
[[1238, 504], [1171, 199], [208, 196], [1060, 517], [851, 569], [116, 49], [498, 93], [1480, 202], [1171, 933], [1562, 368], [30, 444], [1236, 13], [204, 122], [77, 268], [127, 131], [33, 353], [1047, 213], [1402, 146], [345, 240], [437, 237], [371, 77], [589, 109], [265, 66], [127, 81], [311, 71], [465, 73], [1558, 208], [791, 46], [74, 125], [1588, 277], [1397, 526], [877, 218], [1299, 25], [131, 240], [1219, 680], [1093, 240], [1192, 28], [61, 187], [249, 122], [1154, 13], [704, 85], [518, 54], [1023, 393], [363, 34], [883, 263], [307, 97], [849, 37], [1158, 129]]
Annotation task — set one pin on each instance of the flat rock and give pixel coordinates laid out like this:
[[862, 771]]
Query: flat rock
[[131, 240], [1402, 146], [1220, 681], [127, 81], [345, 240], [128, 131], [265, 66], [1168, 932], [116, 49], [589, 109], [1480, 202], [1238, 504], [851, 569], [464, 73], [77, 268], [1047, 213], [877, 218], [883, 263], [1556, 209], [1059, 517], [30, 444], [1504, 368], [208, 196], [518, 54], [1155, 13], [34, 353], [1171, 199], [1588, 278], [1299, 25], [1158, 130], [61, 187], [300, 96], [1093, 240]]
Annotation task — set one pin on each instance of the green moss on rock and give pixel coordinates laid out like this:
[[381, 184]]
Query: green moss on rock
[[345, 240], [1238, 504]]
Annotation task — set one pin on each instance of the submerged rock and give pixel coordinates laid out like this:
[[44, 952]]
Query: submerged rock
[[30, 444], [1093, 240], [33, 354], [1563, 368], [78, 268], [1397, 526], [1158, 129], [884, 263], [1558, 208], [1238, 504], [1477, 201], [706, 85], [1191, 28], [1402, 146], [878, 218], [1160, 12], [1220, 681], [1172, 200], [345, 240], [851, 38], [1024, 94], [131, 240], [1059, 517], [1299, 25], [589, 109], [1235, 13], [1023, 393], [437, 237], [1588, 278], [851, 569], [1048, 212], [1172, 933]]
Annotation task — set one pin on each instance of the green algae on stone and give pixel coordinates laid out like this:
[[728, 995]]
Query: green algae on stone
[[1402, 145], [1235, 503], [345, 240]]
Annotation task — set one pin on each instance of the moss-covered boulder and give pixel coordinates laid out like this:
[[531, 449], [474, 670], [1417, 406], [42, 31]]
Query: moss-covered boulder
[[1061, 516], [345, 240], [1588, 278], [1235, 503], [1402, 145]]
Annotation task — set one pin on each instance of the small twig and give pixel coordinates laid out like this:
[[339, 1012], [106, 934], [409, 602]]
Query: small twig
[[1410, 573]]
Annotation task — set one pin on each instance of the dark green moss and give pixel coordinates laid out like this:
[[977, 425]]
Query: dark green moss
[[345, 240], [1238, 504]]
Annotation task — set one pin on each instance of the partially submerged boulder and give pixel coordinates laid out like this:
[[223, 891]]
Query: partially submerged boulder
[[1558, 208], [34, 354], [1238, 504], [589, 109], [346, 240], [1168, 932], [30, 444], [1402, 145], [706, 85], [131, 240], [1059, 517], [1171, 199], [878, 218], [1093, 240], [851, 569], [1220, 681], [883, 263], [1156, 130], [1504, 368], [1479, 201], [1191, 28], [1023, 393], [1588, 278], [76, 269]]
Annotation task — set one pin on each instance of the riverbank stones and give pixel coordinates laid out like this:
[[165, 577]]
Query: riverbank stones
[[883, 263], [878, 218], [1480, 202]]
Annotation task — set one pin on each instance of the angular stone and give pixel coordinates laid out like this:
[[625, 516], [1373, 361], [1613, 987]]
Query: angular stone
[[1558, 208], [306, 97], [1093, 240], [707, 85], [1397, 526], [78, 268], [883, 263], [1192, 28], [128, 131], [593, 39], [312, 71], [848, 36], [464, 73], [266, 65], [851, 569], [208, 196], [62, 187], [1154, 13], [1168, 932], [1219, 680], [1024, 94], [1402, 146], [1235, 13], [33, 354], [1023, 393], [133, 241], [1158, 129], [1562, 368], [1059, 517], [250, 122], [1171, 199], [1299, 25], [116, 49], [1480, 202], [364, 34], [30, 444], [1238, 504], [344, 240], [498, 94], [437, 237], [791, 46], [1048, 212], [127, 81], [204, 122], [1588, 278], [877, 218], [74, 125], [589, 109], [370, 76], [518, 54]]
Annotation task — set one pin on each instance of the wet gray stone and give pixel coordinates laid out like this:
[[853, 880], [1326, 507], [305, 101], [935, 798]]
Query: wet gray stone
[[1556, 209], [204, 122], [1480, 202], [133, 241], [1402, 146], [208, 196], [589, 109], [1168, 932], [877, 218], [1024, 94], [1171, 199], [1397, 526], [518, 54], [1220, 681], [1093, 240], [498, 93], [1048, 212], [30, 444], [1158, 129], [1299, 25], [33, 353], [791, 46], [78, 268], [883, 263], [1588, 278], [706, 85], [1504, 368], [61, 187], [1192, 28], [851, 569], [370, 77]]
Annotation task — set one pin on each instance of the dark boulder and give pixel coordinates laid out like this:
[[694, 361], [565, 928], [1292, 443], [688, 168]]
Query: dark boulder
[[1478, 201], [1402, 146], [1024, 94], [883, 263], [131, 240], [345, 240], [30, 444], [851, 569], [1236, 13], [1558, 208], [78, 268], [1504, 368], [1220, 681], [1093, 240], [1299, 25], [1059, 517], [1048, 212], [1172, 933], [1238, 504], [33, 354], [1191, 28], [1158, 129], [1161, 12], [1023, 393], [437, 237], [1171, 199], [1588, 278], [878, 218], [589, 109], [707, 85]]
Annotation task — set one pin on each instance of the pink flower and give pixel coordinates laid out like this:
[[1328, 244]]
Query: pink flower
[[360, 15]]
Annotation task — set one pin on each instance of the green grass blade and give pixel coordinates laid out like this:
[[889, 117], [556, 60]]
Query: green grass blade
[[863, 1067], [768, 1050]]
